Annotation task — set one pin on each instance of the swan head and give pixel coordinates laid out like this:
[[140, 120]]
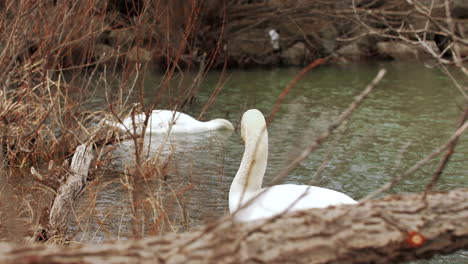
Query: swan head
[[252, 124], [220, 123]]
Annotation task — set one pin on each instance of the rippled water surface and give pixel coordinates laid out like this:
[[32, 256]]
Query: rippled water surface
[[411, 112]]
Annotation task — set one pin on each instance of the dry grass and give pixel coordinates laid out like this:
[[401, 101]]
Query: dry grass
[[54, 56]]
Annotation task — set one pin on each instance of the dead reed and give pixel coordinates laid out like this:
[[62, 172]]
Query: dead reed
[[56, 55]]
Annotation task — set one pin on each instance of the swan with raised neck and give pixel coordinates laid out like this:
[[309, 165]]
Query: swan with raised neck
[[249, 201]]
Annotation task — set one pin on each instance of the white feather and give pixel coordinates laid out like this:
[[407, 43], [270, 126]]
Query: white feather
[[165, 121], [248, 201]]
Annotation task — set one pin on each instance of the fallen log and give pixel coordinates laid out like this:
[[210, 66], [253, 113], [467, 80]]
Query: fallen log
[[390, 230], [68, 192]]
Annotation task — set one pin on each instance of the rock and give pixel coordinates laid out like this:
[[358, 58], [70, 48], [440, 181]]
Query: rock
[[406, 51], [295, 55], [128, 7], [119, 37], [363, 48], [328, 35], [103, 52], [461, 49], [249, 48], [280, 3], [351, 52], [137, 54], [463, 27], [460, 9], [370, 3]]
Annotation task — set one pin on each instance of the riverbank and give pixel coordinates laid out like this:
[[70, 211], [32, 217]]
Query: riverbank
[[237, 34]]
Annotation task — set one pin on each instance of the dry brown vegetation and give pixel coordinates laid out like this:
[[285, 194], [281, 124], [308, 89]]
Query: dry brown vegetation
[[55, 55]]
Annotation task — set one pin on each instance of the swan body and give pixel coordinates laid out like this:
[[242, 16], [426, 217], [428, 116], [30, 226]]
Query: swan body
[[248, 201], [167, 121]]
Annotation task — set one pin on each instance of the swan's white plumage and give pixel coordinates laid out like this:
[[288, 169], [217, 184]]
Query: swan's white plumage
[[164, 121], [248, 201]]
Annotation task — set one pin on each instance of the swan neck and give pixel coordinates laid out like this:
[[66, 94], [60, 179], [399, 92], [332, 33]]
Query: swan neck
[[249, 177]]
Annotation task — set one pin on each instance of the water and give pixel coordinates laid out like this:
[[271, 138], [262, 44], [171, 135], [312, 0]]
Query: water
[[411, 112]]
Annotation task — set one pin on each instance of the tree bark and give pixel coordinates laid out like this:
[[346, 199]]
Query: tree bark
[[69, 192], [393, 229]]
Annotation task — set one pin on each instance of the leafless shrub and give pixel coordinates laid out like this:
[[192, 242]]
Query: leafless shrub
[[54, 53]]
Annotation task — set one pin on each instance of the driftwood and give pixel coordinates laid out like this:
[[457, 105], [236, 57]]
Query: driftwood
[[69, 191], [397, 228]]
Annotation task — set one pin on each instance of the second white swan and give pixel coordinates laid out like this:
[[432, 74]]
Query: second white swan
[[165, 121], [248, 201]]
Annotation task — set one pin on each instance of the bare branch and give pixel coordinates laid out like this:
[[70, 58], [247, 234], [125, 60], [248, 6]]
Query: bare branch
[[446, 158], [418, 165], [345, 115]]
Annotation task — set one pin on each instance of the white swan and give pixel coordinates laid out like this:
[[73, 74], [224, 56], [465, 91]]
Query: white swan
[[164, 121], [246, 197]]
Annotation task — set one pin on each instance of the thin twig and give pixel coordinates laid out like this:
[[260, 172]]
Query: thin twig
[[288, 88], [345, 115], [443, 163], [416, 166]]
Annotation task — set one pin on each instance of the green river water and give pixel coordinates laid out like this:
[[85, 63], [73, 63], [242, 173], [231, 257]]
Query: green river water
[[411, 112]]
